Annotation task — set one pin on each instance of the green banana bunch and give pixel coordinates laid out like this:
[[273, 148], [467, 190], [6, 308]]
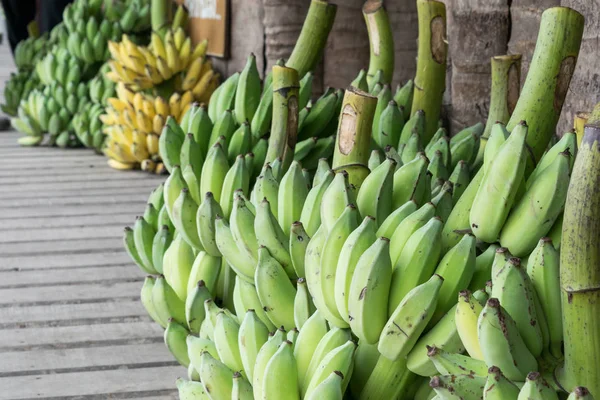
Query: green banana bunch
[[29, 51], [17, 88], [88, 126]]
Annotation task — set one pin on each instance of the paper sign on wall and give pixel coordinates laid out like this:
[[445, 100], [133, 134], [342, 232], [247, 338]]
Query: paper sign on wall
[[209, 20]]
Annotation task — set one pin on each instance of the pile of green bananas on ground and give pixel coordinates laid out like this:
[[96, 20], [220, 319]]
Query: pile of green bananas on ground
[[90, 26], [86, 123], [18, 87]]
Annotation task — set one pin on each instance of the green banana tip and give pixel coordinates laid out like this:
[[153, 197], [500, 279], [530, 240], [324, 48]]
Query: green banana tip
[[493, 303], [432, 350], [533, 376], [301, 281], [339, 373], [201, 283], [436, 382], [546, 240], [581, 391]]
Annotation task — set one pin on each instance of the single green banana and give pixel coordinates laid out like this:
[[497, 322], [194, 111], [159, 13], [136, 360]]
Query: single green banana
[[252, 335], [129, 243], [239, 262], [293, 191], [498, 136], [448, 363], [226, 97], [330, 388], [412, 149], [389, 126], [527, 223], [501, 343], [416, 124], [468, 310], [461, 386], [322, 111], [305, 92], [360, 82], [483, 268], [466, 149], [498, 189], [409, 319], [183, 215], [409, 224], [194, 306], [246, 298], [307, 342], [275, 291], [223, 130], [443, 201], [417, 261], [241, 390], [238, 177], [280, 379], [442, 335], [384, 380], [567, 143], [205, 221], [403, 97], [303, 307], [170, 142], [216, 378], [240, 143], [384, 97], [437, 166], [304, 148], [242, 229], [160, 244], [177, 265], [262, 359], [310, 217], [536, 388], [173, 186], [580, 393], [270, 235], [375, 159], [201, 126], [146, 299], [190, 390], [226, 341], [340, 359], [175, 339], [166, 303], [497, 387], [266, 187], [369, 291], [247, 95], [407, 180], [298, 243], [375, 194], [391, 152]]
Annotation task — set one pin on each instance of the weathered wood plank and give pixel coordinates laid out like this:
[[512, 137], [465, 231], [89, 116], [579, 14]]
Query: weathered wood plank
[[89, 246], [37, 278], [99, 384], [67, 211], [52, 261], [108, 199], [84, 232], [109, 357], [73, 314], [126, 288]]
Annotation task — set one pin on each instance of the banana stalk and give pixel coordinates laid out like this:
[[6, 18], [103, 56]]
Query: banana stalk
[[579, 122], [580, 267], [352, 148], [430, 80], [313, 36], [161, 16], [548, 79], [284, 126], [381, 41]]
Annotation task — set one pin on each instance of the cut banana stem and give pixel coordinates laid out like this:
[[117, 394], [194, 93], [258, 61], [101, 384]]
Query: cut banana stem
[[381, 40]]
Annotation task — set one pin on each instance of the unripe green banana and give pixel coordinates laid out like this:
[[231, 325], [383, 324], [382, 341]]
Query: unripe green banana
[[353, 247], [409, 319], [261, 122], [467, 314], [580, 393], [225, 100], [462, 386], [498, 189], [151, 216], [240, 143], [298, 243], [226, 341], [303, 307], [412, 149], [177, 265], [389, 225], [407, 180], [391, 152], [304, 148], [191, 154], [143, 237], [457, 268], [330, 388], [513, 288], [239, 262], [280, 380], [175, 339], [205, 220], [567, 143], [525, 223], [169, 144], [129, 242], [466, 149], [307, 342], [216, 378], [190, 390], [437, 166], [275, 291], [417, 261], [322, 111], [443, 201], [262, 359], [403, 97], [416, 124], [375, 194], [173, 186], [440, 133], [543, 269], [334, 200], [266, 187], [384, 97], [322, 170], [146, 298], [311, 211], [242, 390], [375, 159], [248, 91], [165, 220], [253, 334], [448, 363], [389, 126], [339, 359], [223, 130], [238, 177], [291, 196], [166, 303], [498, 136], [442, 335], [183, 214], [501, 343], [242, 229], [270, 235], [483, 268], [246, 298], [201, 126], [411, 223], [369, 290], [384, 380], [194, 306], [458, 220], [305, 91], [536, 388], [375, 82], [497, 387], [365, 360]]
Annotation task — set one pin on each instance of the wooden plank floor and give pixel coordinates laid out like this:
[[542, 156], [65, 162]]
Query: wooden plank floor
[[71, 324]]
